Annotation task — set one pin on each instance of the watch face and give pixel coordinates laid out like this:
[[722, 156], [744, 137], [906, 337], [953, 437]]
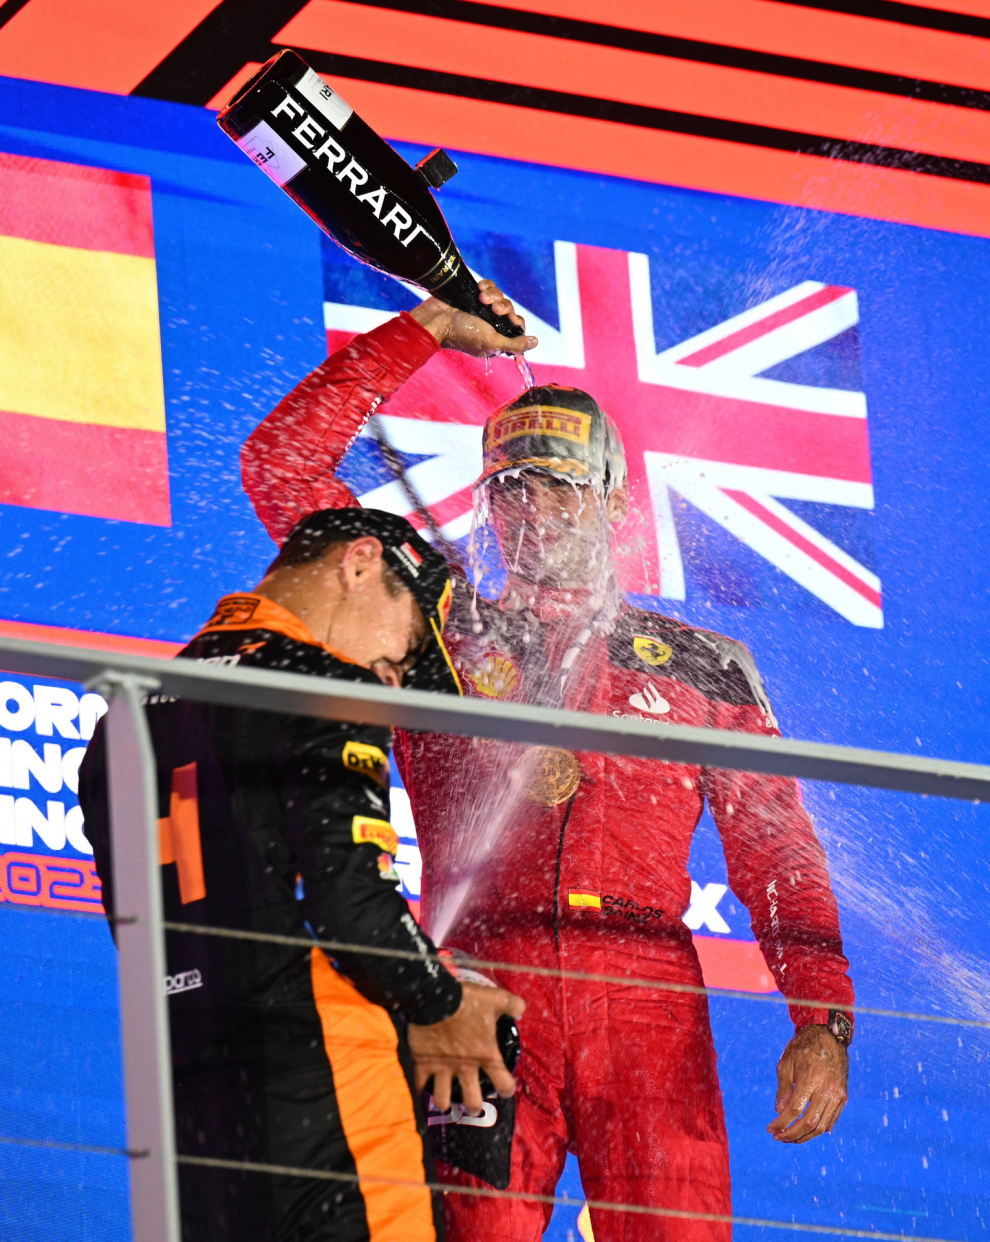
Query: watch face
[[839, 1025]]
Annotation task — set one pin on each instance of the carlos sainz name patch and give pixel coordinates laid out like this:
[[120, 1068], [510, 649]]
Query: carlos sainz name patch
[[608, 903]]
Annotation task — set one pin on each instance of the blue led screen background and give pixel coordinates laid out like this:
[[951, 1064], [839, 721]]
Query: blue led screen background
[[845, 550]]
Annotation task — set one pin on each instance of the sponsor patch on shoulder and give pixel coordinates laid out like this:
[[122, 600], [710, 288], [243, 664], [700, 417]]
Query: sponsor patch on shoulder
[[363, 757], [234, 610], [376, 832], [495, 675]]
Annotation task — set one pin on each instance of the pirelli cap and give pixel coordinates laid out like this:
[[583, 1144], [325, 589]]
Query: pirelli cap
[[561, 431], [421, 567]]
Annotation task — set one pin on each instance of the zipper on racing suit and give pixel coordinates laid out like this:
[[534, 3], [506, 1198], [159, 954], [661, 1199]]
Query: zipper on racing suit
[[556, 879]]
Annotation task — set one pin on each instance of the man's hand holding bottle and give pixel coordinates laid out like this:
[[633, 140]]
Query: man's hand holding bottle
[[461, 1045], [456, 329]]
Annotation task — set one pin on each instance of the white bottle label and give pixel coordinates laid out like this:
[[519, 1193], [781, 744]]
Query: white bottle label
[[326, 101], [271, 153]]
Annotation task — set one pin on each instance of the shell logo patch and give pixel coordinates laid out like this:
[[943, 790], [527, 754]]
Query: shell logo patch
[[495, 676], [361, 757], [376, 832], [650, 650]]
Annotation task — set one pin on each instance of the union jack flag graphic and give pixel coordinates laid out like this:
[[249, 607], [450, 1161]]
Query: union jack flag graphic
[[710, 436]]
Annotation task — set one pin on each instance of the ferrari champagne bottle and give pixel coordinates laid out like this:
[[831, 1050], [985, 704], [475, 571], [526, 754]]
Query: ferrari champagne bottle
[[351, 182]]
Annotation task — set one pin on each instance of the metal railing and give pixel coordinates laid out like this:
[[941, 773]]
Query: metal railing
[[125, 680]]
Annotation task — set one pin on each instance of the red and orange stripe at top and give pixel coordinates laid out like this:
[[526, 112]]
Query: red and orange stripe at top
[[99, 45], [112, 45], [713, 164], [641, 78], [804, 33], [720, 165], [82, 408], [972, 8]]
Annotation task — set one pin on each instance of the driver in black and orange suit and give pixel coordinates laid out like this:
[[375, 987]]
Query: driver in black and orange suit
[[590, 873]]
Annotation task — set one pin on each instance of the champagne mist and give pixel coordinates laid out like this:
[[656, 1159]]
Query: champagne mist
[[354, 185]]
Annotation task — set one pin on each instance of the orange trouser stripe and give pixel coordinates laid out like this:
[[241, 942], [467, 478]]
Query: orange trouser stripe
[[376, 1108]]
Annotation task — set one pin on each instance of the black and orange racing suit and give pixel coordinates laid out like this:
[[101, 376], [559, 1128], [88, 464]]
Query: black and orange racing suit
[[623, 1076], [278, 1057]]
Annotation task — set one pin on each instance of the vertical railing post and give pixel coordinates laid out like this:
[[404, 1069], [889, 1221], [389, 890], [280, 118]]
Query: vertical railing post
[[133, 802]]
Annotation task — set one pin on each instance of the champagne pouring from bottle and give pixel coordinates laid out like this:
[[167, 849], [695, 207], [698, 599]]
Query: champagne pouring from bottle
[[365, 196], [356, 187]]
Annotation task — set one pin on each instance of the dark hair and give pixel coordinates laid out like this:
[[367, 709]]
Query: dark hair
[[305, 547]]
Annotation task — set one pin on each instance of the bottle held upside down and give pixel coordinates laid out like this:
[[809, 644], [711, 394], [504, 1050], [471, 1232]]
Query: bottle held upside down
[[359, 190]]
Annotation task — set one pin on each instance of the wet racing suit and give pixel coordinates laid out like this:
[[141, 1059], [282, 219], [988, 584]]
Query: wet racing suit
[[622, 1075], [278, 1058]]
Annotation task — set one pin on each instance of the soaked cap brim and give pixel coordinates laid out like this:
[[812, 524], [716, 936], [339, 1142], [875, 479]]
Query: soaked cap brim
[[559, 467], [420, 567]]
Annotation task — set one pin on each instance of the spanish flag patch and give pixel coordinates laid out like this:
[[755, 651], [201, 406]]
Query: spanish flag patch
[[377, 831], [582, 900]]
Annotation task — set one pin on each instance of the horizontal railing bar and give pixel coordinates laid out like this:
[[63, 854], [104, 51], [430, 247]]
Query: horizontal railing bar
[[522, 1196], [327, 699], [277, 1170], [555, 972], [552, 972], [86, 1148]]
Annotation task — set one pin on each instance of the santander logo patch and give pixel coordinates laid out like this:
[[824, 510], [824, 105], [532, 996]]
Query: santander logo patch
[[649, 700]]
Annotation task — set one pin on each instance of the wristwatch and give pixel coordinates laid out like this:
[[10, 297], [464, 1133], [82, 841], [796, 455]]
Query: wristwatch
[[841, 1026]]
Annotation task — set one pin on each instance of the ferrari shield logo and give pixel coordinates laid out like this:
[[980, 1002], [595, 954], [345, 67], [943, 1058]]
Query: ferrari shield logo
[[650, 651]]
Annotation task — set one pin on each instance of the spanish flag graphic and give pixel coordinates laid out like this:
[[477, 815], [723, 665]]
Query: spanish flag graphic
[[82, 410]]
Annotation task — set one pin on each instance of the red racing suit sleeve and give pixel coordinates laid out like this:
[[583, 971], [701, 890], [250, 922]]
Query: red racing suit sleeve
[[289, 462], [777, 868]]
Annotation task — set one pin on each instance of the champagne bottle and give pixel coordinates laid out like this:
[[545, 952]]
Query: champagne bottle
[[506, 1031], [359, 190]]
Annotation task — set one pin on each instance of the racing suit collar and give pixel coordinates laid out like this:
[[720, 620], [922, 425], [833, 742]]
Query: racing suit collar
[[545, 603], [246, 611], [548, 604]]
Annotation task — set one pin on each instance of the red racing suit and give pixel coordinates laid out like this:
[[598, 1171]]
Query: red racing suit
[[621, 1074]]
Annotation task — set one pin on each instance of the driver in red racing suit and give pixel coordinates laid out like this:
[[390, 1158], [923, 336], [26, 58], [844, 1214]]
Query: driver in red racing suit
[[589, 870]]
